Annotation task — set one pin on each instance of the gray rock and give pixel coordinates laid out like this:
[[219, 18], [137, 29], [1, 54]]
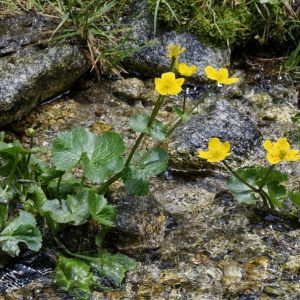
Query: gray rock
[[152, 60], [130, 88], [32, 75], [221, 120], [140, 222]]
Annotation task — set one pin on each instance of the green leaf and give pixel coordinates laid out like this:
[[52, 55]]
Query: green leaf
[[241, 191], [40, 200], [45, 171], [296, 118], [3, 214], [139, 123], [114, 266], [135, 181], [180, 113], [74, 210], [158, 131], [74, 276], [68, 185], [273, 176], [100, 156], [22, 229], [294, 197], [100, 211], [276, 192], [155, 163]]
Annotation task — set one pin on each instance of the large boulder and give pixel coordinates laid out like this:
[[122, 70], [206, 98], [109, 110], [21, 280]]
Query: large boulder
[[32, 74], [152, 60], [221, 120]]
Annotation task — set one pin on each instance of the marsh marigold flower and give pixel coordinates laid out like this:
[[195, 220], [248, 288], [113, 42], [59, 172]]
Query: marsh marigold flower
[[174, 51], [280, 151], [220, 76], [185, 70], [168, 84], [216, 151]]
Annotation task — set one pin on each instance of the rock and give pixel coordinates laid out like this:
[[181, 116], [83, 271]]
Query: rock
[[152, 60], [140, 223], [221, 120], [32, 75], [280, 113], [130, 88]]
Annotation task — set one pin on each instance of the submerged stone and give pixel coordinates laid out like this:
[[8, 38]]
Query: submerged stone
[[221, 120], [140, 223], [34, 74]]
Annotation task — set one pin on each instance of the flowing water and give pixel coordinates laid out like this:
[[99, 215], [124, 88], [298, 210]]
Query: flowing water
[[214, 248]]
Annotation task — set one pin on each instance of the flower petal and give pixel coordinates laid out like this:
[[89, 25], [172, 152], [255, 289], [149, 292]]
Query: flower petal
[[268, 145], [203, 154], [228, 81], [214, 143], [272, 159], [226, 146], [211, 73]]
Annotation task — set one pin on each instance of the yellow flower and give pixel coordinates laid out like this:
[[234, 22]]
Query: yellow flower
[[216, 151], [185, 70], [174, 51], [221, 76], [168, 84], [280, 151]]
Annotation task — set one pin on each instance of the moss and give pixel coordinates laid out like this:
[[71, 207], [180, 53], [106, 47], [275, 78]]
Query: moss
[[223, 23]]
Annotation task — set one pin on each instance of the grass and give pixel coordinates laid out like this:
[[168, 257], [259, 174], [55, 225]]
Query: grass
[[90, 21]]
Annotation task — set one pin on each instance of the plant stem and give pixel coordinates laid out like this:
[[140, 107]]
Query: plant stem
[[185, 93], [12, 172], [29, 155], [267, 201], [89, 258], [175, 125], [58, 186], [81, 184], [154, 113], [266, 177], [101, 189], [240, 178]]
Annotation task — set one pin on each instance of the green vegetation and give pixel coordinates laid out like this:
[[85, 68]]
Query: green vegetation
[[231, 23], [92, 22]]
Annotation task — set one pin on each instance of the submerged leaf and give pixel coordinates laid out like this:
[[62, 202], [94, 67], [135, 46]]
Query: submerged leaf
[[113, 266]]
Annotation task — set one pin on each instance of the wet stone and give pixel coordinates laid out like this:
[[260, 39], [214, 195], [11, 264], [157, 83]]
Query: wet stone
[[137, 230], [280, 113], [32, 75], [130, 88], [221, 120]]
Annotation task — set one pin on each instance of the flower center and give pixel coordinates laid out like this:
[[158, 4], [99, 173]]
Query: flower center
[[282, 153]]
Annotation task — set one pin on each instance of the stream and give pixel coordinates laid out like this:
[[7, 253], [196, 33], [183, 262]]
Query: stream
[[214, 247]]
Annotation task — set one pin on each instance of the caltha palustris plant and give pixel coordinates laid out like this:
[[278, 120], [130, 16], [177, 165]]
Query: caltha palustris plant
[[35, 194], [248, 184]]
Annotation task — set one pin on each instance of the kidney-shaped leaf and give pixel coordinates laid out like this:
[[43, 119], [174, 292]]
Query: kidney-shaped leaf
[[100, 156], [21, 229]]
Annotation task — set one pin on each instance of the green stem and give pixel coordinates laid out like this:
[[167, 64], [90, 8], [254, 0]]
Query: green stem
[[58, 186], [177, 123], [103, 187], [12, 172], [266, 177], [31, 146], [240, 178], [185, 93], [269, 205], [89, 258], [81, 184]]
